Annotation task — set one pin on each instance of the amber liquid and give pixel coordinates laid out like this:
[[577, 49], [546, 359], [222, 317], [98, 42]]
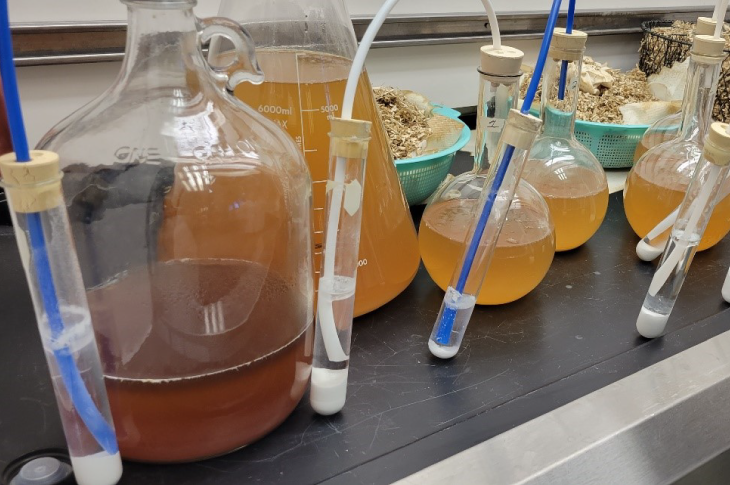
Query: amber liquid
[[577, 210], [520, 262], [641, 149], [652, 194], [302, 90], [201, 357]]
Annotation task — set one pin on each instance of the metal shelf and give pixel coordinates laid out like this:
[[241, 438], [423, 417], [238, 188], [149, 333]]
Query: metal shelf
[[68, 43]]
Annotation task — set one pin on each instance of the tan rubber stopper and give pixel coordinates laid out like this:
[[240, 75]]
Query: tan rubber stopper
[[705, 26], [567, 47], [33, 186], [521, 129], [350, 138], [717, 145], [708, 46], [506, 61]]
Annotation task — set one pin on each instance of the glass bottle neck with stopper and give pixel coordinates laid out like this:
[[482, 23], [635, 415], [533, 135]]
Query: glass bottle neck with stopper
[[699, 97], [559, 101], [499, 88]]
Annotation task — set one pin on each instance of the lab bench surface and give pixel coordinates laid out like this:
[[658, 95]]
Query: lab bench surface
[[407, 410]]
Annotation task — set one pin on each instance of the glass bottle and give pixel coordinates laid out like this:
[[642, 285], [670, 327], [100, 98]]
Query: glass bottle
[[658, 181], [306, 49], [565, 172], [526, 245], [668, 127], [191, 214]]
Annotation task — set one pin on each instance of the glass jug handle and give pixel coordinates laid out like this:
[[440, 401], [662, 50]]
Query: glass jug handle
[[244, 66]]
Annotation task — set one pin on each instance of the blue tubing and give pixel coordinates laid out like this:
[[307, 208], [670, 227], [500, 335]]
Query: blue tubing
[[85, 406], [83, 402], [447, 319], [564, 65]]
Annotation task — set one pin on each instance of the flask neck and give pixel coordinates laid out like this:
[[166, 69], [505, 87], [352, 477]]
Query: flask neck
[[497, 96], [162, 45], [699, 97], [559, 101]]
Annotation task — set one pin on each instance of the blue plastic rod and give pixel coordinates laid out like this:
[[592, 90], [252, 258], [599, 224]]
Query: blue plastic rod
[[447, 319], [564, 65], [72, 379]]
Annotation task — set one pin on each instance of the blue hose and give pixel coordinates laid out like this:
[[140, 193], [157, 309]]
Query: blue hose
[[85, 406], [446, 324], [564, 65]]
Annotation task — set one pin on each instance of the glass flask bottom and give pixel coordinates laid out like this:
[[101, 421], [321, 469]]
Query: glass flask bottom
[[521, 260], [209, 356], [651, 195], [577, 210]]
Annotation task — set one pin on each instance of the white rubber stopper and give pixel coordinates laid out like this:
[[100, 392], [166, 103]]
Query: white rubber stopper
[[647, 252], [99, 469], [329, 390], [440, 351], [651, 324]]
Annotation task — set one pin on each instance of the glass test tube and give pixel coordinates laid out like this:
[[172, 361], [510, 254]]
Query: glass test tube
[[336, 296], [481, 237], [59, 299], [693, 216]]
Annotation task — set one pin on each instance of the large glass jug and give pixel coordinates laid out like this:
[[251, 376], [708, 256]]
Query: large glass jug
[[192, 218], [305, 49]]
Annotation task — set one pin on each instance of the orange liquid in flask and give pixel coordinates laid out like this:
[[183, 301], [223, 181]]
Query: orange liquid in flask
[[653, 191], [302, 90], [521, 259]]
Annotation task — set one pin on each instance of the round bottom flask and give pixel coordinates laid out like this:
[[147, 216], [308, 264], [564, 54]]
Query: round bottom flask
[[525, 247]]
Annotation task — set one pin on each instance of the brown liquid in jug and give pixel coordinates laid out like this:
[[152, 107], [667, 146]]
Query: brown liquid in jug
[[200, 365], [302, 90]]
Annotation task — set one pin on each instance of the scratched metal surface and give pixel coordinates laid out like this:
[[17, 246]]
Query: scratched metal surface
[[406, 410]]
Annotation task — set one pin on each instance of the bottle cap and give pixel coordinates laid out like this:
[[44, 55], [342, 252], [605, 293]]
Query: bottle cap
[[521, 129], [33, 186], [350, 138], [506, 61], [709, 46], [705, 26], [717, 144], [567, 47]]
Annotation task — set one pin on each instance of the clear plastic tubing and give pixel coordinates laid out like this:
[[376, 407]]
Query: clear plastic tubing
[[44, 239], [336, 296], [693, 216], [502, 179]]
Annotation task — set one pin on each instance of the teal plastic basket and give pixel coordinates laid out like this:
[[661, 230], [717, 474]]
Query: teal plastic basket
[[421, 176], [613, 145]]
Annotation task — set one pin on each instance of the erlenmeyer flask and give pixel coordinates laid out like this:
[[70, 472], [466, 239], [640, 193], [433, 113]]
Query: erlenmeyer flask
[[305, 49], [658, 181], [564, 171], [526, 245], [191, 215]]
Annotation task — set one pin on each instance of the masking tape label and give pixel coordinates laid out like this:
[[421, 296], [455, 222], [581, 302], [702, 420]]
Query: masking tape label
[[494, 125]]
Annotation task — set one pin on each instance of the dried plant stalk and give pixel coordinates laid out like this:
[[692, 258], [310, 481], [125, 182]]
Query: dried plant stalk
[[629, 87], [406, 124]]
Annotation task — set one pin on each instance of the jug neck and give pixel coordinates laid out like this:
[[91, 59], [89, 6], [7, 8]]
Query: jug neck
[[497, 96], [558, 115], [699, 97], [162, 44]]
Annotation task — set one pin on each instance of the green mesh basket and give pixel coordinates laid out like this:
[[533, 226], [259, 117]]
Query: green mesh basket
[[613, 145], [421, 176]]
